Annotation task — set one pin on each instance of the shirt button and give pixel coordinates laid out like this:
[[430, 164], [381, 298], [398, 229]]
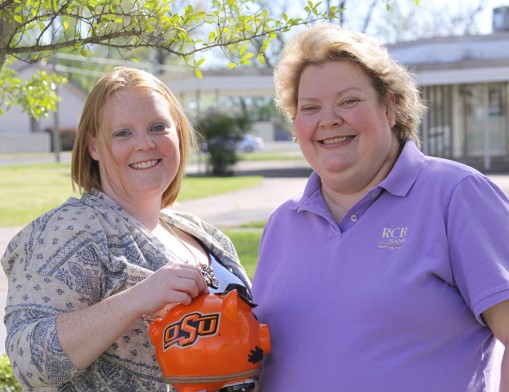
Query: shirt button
[[374, 195], [353, 218]]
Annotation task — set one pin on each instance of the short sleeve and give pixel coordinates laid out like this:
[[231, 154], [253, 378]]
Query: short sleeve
[[478, 235]]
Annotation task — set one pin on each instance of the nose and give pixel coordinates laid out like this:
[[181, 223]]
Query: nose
[[145, 141], [331, 117]]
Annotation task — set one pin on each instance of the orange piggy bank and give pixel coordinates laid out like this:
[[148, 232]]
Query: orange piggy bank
[[213, 342]]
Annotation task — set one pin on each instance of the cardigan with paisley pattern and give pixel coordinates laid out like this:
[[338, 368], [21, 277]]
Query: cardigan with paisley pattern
[[72, 257]]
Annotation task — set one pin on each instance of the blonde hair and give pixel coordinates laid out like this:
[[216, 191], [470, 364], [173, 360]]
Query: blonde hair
[[327, 42], [84, 169]]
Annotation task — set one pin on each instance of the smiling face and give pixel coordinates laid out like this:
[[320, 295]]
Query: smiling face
[[144, 141], [344, 127]]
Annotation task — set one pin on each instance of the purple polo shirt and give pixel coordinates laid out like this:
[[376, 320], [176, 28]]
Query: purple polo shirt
[[390, 299]]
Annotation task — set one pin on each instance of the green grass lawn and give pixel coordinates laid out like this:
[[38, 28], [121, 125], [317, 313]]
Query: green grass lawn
[[272, 156], [246, 242], [27, 191], [198, 187]]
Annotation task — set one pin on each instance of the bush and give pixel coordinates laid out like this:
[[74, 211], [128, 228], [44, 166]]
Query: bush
[[8, 382], [221, 132]]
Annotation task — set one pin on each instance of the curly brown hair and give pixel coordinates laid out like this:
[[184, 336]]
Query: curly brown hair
[[327, 42]]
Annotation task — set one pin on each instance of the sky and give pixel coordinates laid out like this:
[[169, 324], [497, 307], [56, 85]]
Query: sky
[[487, 14], [429, 11], [433, 16]]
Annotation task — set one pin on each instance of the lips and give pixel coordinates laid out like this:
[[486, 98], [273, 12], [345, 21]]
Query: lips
[[144, 165], [335, 140]]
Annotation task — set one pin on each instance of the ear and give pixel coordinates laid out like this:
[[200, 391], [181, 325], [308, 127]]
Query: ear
[[390, 108], [92, 149]]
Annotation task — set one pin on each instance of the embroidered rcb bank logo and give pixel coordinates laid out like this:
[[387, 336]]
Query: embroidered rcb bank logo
[[188, 330], [393, 238]]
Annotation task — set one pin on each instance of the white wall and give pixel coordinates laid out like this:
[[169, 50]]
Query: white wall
[[264, 129], [14, 121], [15, 129], [69, 108], [32, 142]]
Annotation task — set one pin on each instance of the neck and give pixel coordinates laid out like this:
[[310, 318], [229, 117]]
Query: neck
[[148, 217], [337, 203], [146, 211]]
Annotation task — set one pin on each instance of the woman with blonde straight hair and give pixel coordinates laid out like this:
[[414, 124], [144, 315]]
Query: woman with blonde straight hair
[[82, 277]]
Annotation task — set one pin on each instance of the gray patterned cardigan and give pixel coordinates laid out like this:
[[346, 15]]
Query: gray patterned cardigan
[[72, 257]]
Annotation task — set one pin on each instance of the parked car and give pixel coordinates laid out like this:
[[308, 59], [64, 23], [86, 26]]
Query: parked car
[[250, 143], [247, 143]]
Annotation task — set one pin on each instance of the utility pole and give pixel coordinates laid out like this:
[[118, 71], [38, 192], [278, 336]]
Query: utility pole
[[56, 124]]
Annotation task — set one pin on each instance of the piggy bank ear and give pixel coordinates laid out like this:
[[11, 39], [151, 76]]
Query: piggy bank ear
[[230, 306], [242, 292]]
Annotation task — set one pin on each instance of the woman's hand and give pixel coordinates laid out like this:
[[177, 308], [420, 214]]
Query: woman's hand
[[171, 284], [497, 318], [100, 325]]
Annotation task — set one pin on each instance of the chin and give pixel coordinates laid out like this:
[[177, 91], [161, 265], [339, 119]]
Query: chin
[[335, 166]]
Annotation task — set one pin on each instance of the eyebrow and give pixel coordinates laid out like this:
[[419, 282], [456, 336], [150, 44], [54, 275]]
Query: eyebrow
[[339, 93]]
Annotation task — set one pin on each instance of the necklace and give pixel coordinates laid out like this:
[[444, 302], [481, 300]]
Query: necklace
[[174, 235], [206, 270], [337, 210]]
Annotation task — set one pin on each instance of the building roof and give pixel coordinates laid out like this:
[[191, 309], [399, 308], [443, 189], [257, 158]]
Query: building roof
[[453, 50], [456, 59], [250, 81], [434, 61]]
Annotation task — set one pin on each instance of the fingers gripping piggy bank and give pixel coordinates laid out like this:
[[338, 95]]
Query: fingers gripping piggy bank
[[213, 342]]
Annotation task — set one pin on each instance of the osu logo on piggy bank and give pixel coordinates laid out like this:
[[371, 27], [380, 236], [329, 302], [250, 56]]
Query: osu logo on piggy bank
[[188, 330]]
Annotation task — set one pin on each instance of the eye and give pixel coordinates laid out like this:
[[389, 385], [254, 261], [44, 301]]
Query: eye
[[160, 128], [308, 108], [122, 133], [350, 101]]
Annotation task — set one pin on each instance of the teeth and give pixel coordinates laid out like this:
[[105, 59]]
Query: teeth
[[337, 140], [144, 165]]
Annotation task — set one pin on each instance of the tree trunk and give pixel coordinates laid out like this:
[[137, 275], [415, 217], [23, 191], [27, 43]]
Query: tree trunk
[[8, 28]]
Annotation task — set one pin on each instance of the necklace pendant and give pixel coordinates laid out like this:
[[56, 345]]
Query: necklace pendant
[[208, 274], [214, 283]]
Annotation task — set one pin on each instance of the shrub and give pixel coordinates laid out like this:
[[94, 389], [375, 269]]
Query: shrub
[[221, 132], [8, 382]]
